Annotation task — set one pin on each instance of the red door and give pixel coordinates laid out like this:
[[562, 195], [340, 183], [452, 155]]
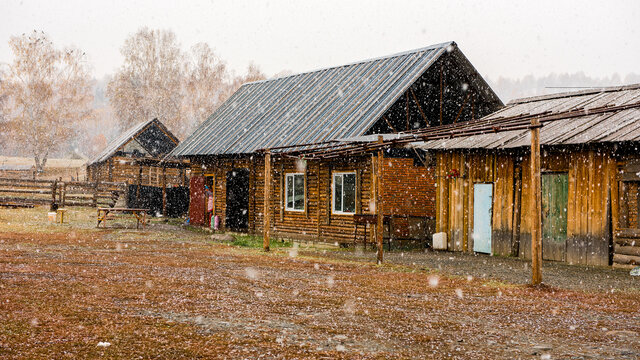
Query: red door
[[197, 200]]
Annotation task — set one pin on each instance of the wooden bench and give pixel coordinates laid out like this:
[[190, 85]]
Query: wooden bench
[[139, 214]]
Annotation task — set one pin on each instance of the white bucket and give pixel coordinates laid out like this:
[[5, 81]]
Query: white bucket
[[51, 216]]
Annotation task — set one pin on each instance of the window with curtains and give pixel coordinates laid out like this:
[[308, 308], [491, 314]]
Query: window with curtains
[[294, 188], [344, 193]]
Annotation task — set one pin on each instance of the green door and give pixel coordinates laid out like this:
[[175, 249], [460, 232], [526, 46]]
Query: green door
[[555, 195]]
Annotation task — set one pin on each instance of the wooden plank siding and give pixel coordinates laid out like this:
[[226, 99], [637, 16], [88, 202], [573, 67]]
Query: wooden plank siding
[[408, 194], [591, 181], [455, 198]]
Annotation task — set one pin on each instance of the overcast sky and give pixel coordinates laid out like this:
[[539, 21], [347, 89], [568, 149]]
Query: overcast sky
[[501, 38]]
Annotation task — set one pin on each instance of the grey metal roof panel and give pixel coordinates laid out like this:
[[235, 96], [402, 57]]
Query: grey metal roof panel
[[311, 107], [610, 126]]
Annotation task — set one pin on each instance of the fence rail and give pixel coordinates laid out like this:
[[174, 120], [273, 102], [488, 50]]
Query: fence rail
[[69, 193]]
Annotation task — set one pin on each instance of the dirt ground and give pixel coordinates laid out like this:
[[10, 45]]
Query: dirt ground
[[503, 269], [72, 291]]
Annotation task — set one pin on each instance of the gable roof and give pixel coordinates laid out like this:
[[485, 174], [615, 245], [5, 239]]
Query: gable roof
[[610, 114], [313, 107], [132, 133]]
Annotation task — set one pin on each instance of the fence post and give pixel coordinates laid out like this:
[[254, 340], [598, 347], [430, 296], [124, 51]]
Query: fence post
[[54, 186], [64, 194], [95, 194]]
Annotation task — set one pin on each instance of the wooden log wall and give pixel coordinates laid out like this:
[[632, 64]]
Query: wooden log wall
[[127, 170], [317, 222]]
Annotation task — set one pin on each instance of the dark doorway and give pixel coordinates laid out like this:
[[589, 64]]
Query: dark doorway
[[237, 212]]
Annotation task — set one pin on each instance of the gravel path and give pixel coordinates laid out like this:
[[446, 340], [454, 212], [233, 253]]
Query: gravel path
[[503, 269]]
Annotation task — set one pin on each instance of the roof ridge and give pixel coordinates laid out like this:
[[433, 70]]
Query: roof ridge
[[402, 53], [594, 90]]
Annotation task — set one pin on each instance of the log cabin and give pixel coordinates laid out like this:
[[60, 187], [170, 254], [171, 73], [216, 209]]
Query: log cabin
[[590, 175], [242, 154], [136, 158]]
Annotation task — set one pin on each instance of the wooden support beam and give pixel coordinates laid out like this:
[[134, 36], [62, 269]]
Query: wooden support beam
[[306, 190], [379, 203], [473, 106], [164, 191], [415, 98], [213, 190], [407, 109], [267, 197], [281, 191], [464, 102], [389, 124], [139, 183], [54, 188], [441, 93], [536, 205], [319, 202]]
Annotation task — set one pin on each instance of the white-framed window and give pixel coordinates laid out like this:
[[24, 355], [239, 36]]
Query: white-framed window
[[294, 190], [344, 192]]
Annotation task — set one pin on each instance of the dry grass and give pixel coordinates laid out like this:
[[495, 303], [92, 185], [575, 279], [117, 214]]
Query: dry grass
[[170, 293]]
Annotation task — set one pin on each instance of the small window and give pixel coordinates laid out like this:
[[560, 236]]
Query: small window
[[295, 192], [344, 193]]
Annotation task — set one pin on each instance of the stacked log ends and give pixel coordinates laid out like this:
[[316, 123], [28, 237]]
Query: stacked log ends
[[626, 251]]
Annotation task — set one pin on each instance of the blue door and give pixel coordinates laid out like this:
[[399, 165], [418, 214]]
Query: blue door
[[482, 201]]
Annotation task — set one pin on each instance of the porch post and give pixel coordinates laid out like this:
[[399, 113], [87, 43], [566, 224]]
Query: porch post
[[267, 196], [379, 205], [164, 190], [536, 205]]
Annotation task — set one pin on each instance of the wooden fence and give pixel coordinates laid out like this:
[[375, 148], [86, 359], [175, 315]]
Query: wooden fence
[[64, 193]]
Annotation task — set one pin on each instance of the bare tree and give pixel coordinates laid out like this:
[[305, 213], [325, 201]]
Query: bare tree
[[205, 85], [48, 92], [253, 74], [157, 80], [148, 85]]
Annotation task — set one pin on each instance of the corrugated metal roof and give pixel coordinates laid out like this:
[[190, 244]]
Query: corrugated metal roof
[[124, 138], [617, 125], [312, 107]]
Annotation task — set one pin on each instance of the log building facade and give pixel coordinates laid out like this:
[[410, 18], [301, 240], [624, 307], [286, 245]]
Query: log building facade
[[136, 158], [317, 198], [590, 176]]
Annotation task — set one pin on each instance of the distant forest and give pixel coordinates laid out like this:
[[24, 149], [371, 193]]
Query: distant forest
[[509, 89]]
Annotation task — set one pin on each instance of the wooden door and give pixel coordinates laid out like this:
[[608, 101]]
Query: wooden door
[[196, 200], [482, 214], [555, 195]]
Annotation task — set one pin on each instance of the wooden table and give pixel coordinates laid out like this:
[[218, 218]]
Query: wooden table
[[140, 215]]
